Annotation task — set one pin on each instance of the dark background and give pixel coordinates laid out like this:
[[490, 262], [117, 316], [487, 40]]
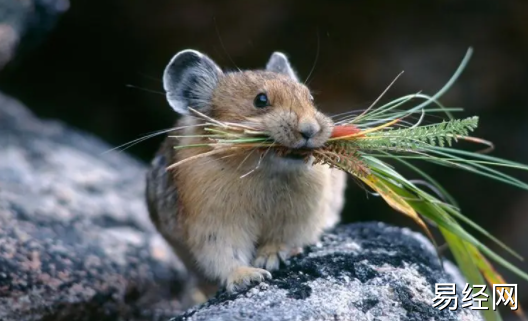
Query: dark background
[[81, 72]]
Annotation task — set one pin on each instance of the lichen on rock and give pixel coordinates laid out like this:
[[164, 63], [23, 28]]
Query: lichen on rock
[[75, 239], [364, 271]]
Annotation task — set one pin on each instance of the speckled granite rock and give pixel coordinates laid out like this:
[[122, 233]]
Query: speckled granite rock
[[75, 239], [76, 244], [359, 272], [29, 19]]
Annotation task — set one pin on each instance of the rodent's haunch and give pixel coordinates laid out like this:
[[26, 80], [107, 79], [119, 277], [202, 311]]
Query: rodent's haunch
[[229, 227]]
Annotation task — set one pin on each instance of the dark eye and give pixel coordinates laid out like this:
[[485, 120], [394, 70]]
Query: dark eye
[[261, 101]]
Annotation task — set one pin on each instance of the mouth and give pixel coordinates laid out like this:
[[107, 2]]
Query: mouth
[[300, 154]]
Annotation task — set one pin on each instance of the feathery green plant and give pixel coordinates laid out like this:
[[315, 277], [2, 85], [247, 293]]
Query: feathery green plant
[[360, 144], [416, 138]]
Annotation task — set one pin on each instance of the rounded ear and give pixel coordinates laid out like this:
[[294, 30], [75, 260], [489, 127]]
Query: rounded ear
[[189, 81], [279, 63]]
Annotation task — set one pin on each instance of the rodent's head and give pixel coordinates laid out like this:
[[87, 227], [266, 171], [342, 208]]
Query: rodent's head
[[272, 100]]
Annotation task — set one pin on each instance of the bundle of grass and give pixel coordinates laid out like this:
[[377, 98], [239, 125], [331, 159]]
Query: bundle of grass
[[360, 144]]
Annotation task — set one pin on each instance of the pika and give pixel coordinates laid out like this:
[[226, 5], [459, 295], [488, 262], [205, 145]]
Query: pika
[[231, 229]]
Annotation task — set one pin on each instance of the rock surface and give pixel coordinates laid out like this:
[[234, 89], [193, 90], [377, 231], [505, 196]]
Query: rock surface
[[76, 244], [367, 271], [75, 239]]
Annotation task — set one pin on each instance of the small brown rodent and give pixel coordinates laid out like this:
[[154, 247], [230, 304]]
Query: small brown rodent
[[229, 227]]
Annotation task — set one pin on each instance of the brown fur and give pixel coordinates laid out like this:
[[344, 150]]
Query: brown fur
[[229, 220]]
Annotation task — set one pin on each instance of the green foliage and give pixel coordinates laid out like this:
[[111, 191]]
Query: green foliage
[[418, 138], [363, 155]]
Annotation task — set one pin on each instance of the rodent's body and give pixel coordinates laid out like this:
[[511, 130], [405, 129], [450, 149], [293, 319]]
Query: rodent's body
[[229, 217]]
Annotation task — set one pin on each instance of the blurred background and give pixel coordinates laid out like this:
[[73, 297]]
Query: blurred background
[[99, 66]]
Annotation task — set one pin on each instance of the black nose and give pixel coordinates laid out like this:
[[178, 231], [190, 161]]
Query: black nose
[[308, 129], [308, 133]]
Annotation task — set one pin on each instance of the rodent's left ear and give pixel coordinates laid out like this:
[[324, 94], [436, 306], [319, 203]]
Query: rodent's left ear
[[189, 81], [279, 63]]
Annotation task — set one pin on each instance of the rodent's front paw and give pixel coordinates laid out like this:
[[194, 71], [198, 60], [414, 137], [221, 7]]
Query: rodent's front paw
[[269, 256], [242, 277]]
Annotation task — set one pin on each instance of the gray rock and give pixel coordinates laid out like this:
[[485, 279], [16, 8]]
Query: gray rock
[[76, 244], [366, 271], [30, 20], [75, 239]]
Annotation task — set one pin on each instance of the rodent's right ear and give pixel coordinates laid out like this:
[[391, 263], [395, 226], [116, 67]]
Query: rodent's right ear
[[189, 81], [279, 63]]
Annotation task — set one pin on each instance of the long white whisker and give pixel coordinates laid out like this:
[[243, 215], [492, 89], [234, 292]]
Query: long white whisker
[[143, 138], [146, 90], [306, 81]]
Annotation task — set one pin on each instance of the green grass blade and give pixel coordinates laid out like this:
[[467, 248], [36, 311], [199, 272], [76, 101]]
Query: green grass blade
[[432, 208], [470, 271], [450, 199]]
